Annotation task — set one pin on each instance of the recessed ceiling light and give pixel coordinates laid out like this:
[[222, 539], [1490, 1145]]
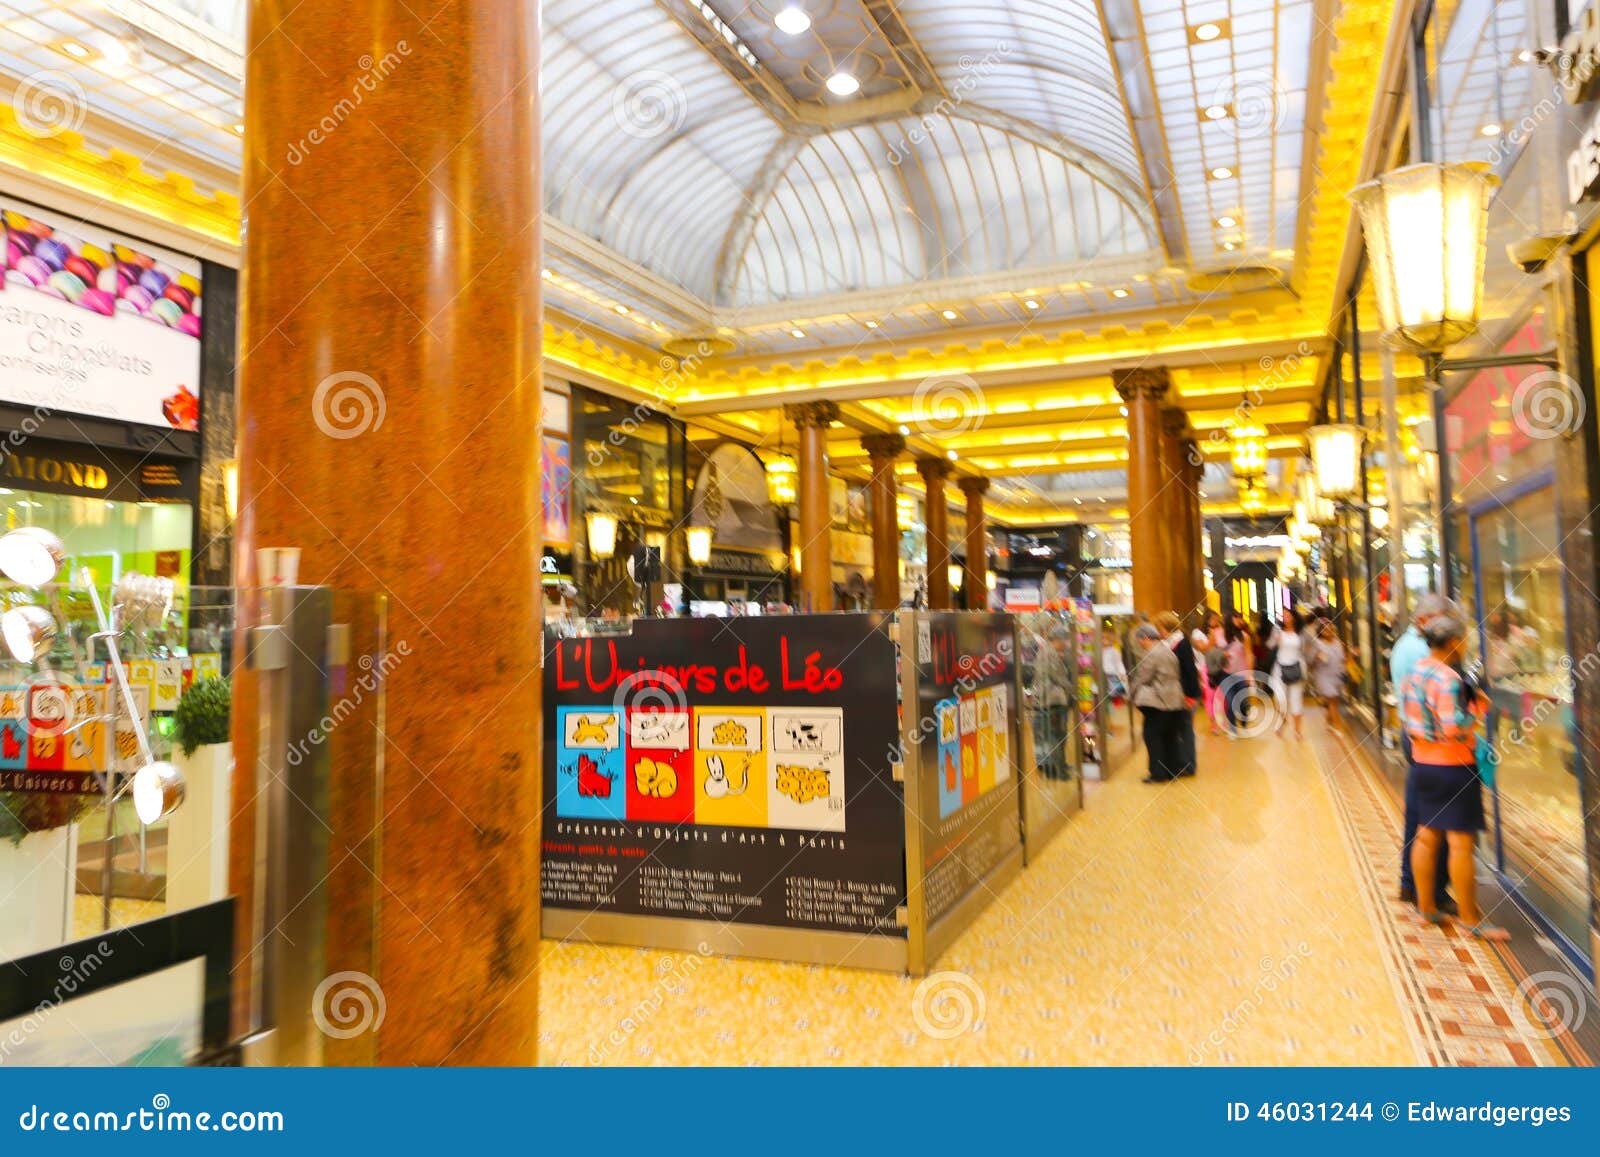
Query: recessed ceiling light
[[792, 21], [843, 84], [797, 332], [949, 315], [1523, 55], [1490, 130], [1031, 303], [950, 454], [622, 309], [239, 128], [1230, 246], [1123, 410], [75, 49], [905, 429], [1227, 221], [546, 274], [1216, 112], [872, 325], [1207, 31], [1221, 173], [1119, 292]]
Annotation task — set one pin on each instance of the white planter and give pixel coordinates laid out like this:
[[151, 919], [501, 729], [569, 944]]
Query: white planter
[[197, 833], [36, 892]]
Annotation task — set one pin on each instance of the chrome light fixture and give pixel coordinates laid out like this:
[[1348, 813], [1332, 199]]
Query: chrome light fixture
[[1426, 229], [1336, 460], [143, 600], [698, 542], [29, 631], [158, 790], [31, 556]]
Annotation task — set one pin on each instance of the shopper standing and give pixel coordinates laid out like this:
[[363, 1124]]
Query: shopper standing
[[1327, 669], [1409, 650], [1053, 691], [1168, 623], [1289, 671], [1213, 649], [1236, 673], [1158, 694], [1443, 712]]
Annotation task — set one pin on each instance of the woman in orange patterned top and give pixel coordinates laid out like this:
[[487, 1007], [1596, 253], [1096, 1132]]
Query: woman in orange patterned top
[[1442, 713]]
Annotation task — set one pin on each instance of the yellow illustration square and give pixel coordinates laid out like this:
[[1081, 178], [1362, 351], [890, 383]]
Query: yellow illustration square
[[986, 742], [730, 766], [86, 748]]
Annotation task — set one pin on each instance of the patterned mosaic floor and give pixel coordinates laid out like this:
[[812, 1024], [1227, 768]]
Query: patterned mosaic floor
[[1242, 917]]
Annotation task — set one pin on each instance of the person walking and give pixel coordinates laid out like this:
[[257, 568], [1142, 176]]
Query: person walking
[[1235, 692], [1327, 669], [1116, 675], [1158, 694], [1409, 650], [1443, 712], [1288, 676], [1210, 643], [1168, 623]]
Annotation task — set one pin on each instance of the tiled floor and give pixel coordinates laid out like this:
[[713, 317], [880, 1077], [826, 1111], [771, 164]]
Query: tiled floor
[[1242, 917]]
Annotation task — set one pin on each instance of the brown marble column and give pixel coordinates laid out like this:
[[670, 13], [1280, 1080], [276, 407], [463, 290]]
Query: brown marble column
[[882, 450], [388, 422], [811, 420], [934, 471], [1174, 481], [1143, 391], [975, 573]]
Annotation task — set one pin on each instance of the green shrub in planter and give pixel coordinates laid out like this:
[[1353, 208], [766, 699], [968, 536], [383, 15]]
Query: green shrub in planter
[[202, 714]]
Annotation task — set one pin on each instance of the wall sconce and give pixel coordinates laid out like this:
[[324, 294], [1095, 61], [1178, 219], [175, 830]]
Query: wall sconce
[[602, 531], [955, 574], [781, 488], [698, 542], [230, 489], [794, 557], [1426, 229]]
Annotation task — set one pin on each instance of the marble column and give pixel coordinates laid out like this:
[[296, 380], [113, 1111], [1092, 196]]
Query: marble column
[[975, 574], [811, 421], [934, 471], [882, 450], [1143, 391], [1174, 505], [388, 417]]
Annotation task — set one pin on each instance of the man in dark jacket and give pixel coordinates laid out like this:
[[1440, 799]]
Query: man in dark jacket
[[1171, 628]]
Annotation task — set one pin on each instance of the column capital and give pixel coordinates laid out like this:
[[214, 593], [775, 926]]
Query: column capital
[[883, 445], [1174, 421], [1142, 382], [931, 466], [974, 487], [820, 414]]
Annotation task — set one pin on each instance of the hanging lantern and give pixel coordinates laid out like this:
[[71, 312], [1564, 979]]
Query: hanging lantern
[[782, 479], [1252, 497], [1426, 228], [602, 527], [1249, 454], [697, 539], [1336, 460], [1319, 511]]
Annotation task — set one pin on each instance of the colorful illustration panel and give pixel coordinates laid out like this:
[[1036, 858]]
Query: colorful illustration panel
[[945, 714], [660, 766], [730, 766], [807, 789], [967, 718], [590, 763]]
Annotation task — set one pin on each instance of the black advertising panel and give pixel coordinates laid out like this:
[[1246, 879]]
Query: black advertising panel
[[727, 770], [966, 737]]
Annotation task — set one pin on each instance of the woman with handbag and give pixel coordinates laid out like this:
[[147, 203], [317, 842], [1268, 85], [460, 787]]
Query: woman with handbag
[[1443, 712], [1327, 669], [1289, 672]]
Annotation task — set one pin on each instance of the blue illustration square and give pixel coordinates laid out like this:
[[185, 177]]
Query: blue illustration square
[[590, 763]]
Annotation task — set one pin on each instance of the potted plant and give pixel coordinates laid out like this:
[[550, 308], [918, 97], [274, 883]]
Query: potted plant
[[197, 833], [38, 848]]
